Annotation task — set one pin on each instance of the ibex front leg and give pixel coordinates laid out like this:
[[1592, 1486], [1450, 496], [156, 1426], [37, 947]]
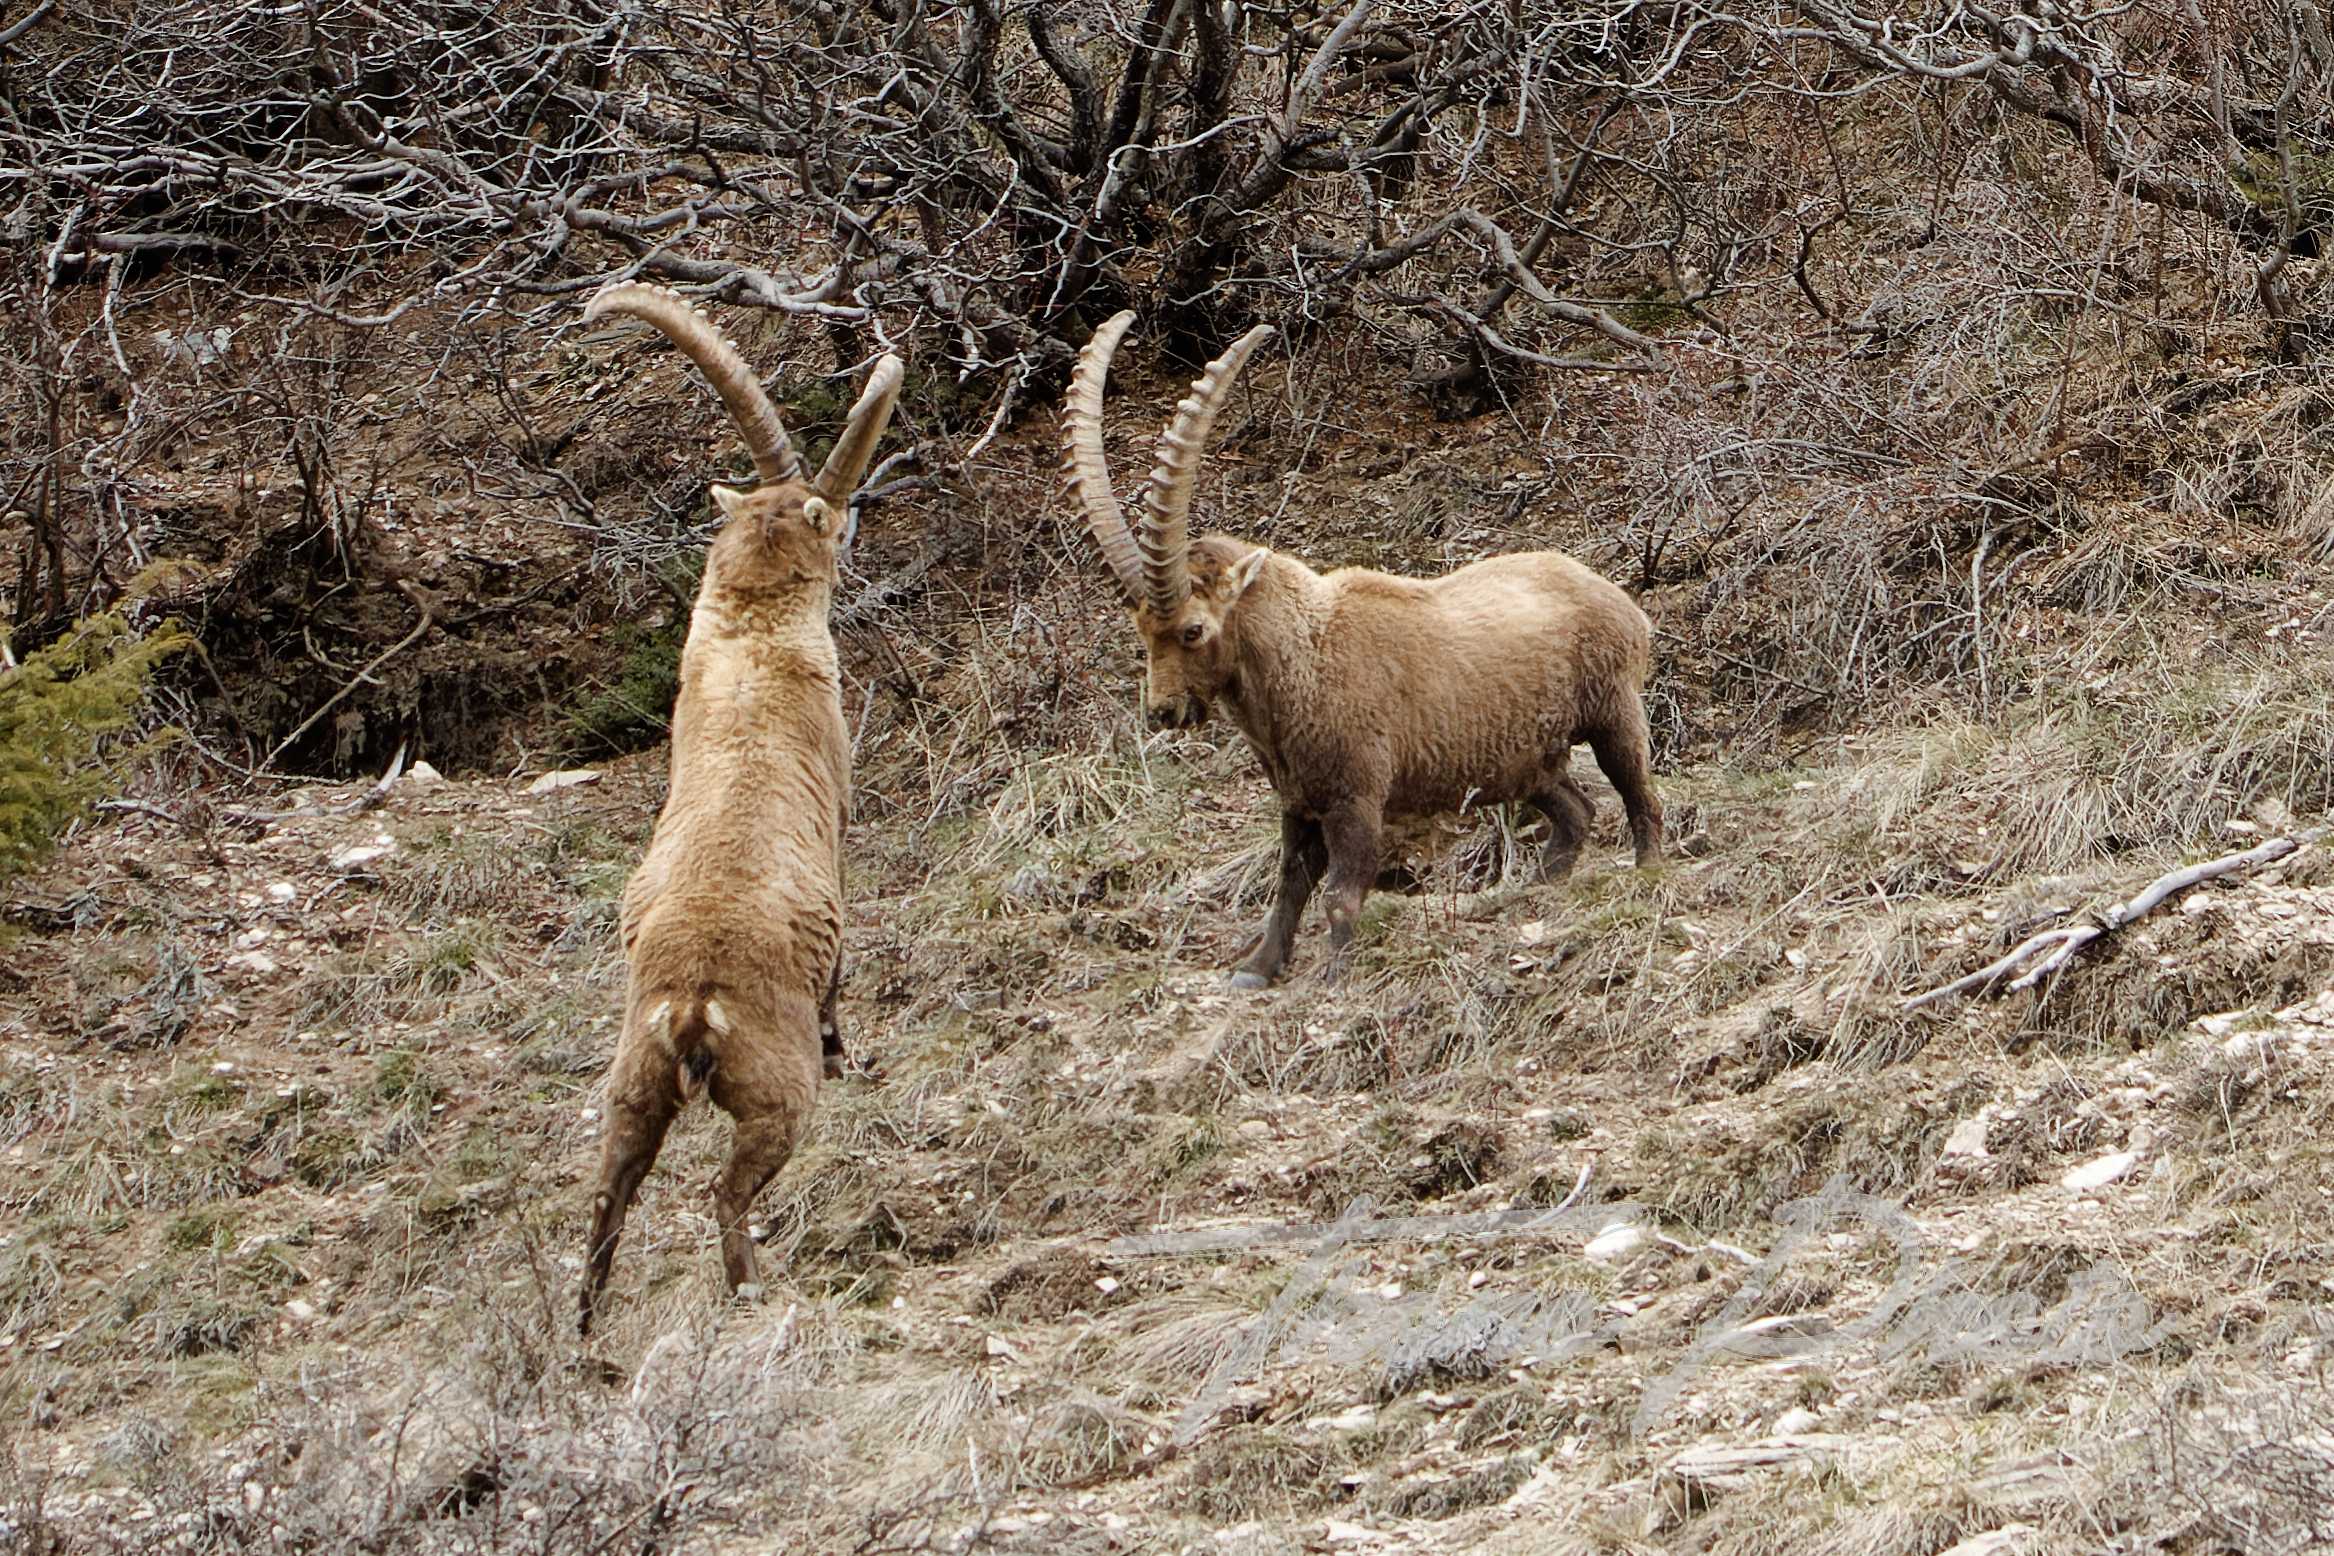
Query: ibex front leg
[[1352, 836], [1303, 858]]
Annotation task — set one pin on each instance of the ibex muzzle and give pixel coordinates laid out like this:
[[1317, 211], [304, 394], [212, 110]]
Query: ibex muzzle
[[1184, 710]]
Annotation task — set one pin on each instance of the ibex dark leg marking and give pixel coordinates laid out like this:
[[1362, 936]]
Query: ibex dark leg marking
[[641, 1104], [1352, 838], [768, 1088], [831, 1056], [1625, 752], [1570, 815], [1304, 856]]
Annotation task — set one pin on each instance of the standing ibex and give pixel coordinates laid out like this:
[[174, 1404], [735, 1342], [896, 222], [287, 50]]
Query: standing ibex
[[733, 923], [1367, 697]]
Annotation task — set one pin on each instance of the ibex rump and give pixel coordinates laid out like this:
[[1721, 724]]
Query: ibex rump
[[732, 924], [1369, 698]]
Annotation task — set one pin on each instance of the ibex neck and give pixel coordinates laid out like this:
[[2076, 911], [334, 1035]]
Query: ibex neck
[[795, 614], [1275, 631]]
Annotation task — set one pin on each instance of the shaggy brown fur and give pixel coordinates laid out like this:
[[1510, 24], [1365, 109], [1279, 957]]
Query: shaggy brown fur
[[732, 923], [1371, 698]]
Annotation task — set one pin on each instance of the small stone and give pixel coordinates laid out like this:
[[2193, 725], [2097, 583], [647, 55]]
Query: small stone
[[1615, 1243], [999, 1346], [282, 891], [1030, 883], [1968, 1137], [1795, 1421], [1359, 1418], [2005, 1541], [357, 858], [299, 1311], [1106, 1284], [423, 776], [564, 778], [2100, 1173], [2250, 1045], [1254, 1128], [1774, 1334]]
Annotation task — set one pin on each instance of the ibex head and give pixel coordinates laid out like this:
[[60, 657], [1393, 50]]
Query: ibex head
[[1180, 593], [786, 530]]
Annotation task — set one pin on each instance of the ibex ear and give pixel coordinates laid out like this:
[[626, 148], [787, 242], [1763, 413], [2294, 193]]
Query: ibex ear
[[819, 514], [1242, 573], [731, 500]]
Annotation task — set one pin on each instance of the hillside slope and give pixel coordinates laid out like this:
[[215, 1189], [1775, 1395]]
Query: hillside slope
[[1620, 1214], [1966, 436]]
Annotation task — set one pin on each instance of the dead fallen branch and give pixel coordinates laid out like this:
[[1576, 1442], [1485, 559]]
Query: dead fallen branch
[[2043, 955], [358, 806], [364, 677]]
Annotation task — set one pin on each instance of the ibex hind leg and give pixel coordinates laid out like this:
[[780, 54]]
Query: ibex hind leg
[[641, 1104], [832, 1059], [768, 1086], [1571, 814], [1625, 752]]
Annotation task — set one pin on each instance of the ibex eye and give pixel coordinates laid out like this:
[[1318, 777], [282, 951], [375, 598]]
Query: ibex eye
[[1191, 634]]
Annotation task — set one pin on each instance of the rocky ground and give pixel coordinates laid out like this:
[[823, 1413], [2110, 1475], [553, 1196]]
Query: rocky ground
[[1638, 1212], [1631, 1213]]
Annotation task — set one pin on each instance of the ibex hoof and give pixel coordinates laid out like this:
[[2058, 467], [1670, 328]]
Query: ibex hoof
[[749, 1292], [1245, 980]]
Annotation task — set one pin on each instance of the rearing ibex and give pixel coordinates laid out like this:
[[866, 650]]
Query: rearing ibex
[[1367, 697], [733, 922]]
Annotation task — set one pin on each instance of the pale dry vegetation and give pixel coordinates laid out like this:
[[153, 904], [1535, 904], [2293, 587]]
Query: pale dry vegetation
[[1953, 399]]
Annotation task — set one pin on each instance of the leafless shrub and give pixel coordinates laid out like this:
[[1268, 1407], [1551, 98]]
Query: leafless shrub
[[2242, 1470]]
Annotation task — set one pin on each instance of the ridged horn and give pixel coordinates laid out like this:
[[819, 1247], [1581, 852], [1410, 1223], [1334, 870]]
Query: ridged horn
[[1165, 538], [1085, 465], [756, 418], [847, 463]]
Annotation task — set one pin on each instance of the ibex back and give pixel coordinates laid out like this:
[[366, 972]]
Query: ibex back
[[1369, 698], [732, 923]]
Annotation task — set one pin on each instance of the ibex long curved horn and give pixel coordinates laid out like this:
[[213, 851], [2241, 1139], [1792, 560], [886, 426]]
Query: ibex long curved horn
[[756, 418], [1165, 540], [847, 463], [1088, 468]]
